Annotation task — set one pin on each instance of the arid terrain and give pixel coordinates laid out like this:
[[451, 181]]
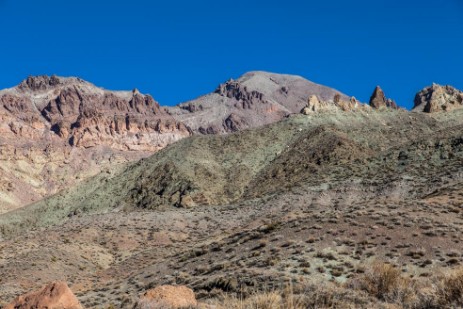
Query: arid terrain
[[271, 192]]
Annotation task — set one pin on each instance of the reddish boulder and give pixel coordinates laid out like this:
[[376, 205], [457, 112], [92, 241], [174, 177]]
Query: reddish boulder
[[55, 295]]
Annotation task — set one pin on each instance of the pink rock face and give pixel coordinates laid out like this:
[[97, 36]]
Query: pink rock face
[[55, 295], [63, 129], [83, 115], [168, 296]]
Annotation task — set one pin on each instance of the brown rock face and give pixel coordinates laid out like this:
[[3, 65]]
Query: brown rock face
[[378, 100], [240, 93], [36, 83], [55, 295], [234, 123], [438, 98], [168, 296], [127, 122], [65, 129], [253, 100]]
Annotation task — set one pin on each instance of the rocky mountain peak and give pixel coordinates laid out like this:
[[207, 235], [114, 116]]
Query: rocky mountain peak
[[45, 82], [254, 99], [378, 100], [437, 98]]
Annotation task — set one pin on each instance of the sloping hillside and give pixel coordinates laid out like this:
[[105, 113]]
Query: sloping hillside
[[216, 170]]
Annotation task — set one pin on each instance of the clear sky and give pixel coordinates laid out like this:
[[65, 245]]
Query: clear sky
[[177, 50]]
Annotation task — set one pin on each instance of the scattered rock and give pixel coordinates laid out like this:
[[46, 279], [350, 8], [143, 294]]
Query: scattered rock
[[55, 295]]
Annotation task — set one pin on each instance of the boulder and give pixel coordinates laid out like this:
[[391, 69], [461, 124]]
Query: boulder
[[55, 295], [168, 296]]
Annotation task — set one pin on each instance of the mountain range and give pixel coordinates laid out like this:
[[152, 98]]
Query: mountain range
[[57, 131], [270, 179]]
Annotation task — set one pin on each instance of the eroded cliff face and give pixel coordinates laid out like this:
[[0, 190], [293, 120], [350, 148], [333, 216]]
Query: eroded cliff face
[[255, 99], [55, 131], [436, 98]]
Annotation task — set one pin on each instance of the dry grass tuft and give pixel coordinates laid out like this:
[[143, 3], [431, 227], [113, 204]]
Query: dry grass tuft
[[450, 288], [321, 297], [386, 283]]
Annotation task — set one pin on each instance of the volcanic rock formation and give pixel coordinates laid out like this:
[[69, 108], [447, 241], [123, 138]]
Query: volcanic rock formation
[[378, 100], [55, 131], [255, 99], [437, 98]]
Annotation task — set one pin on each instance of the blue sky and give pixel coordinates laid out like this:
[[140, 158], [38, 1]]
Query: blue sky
[[177, 50]]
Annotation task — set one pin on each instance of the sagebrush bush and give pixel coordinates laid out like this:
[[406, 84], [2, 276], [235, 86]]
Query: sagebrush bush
[[381, 280], [450, 288]]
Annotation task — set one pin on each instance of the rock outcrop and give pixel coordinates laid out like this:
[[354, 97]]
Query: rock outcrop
[[378, 100], [236, 90], [253, 100], [168, 296], [55, 295], [60, 130], [438, 98], [315, 105], [77, 111]]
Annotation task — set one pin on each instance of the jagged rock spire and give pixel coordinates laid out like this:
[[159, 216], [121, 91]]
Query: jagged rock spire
[[378, 99]]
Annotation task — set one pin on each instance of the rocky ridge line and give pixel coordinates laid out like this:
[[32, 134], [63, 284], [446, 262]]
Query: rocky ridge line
[[436, 98]]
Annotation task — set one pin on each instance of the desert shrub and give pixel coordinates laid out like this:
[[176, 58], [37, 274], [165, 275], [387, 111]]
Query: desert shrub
[[449, 288], [386, 283], [380, 280]]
